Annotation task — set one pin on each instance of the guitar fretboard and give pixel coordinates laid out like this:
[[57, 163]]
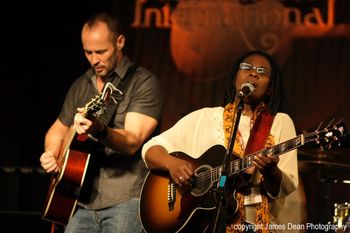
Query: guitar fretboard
[[326, 136], [247, 161], [241, 164]]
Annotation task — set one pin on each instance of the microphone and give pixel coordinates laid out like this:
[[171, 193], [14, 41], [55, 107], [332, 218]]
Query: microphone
[[246, 90]]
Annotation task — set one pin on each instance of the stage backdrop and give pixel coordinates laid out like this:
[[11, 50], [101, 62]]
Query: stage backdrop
[[189, 44]]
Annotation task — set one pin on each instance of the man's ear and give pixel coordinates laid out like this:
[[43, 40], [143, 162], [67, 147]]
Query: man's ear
[[120, 42]]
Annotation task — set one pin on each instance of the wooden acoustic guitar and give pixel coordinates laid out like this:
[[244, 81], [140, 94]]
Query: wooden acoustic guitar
[[166, 207], [73, 161]]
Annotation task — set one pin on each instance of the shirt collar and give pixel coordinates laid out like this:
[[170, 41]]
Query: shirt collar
[[120, 70], [123, 66]]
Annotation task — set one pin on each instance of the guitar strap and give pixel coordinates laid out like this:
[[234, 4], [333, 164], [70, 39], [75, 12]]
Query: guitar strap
[[122, 85], [260, 132], [257, 141]]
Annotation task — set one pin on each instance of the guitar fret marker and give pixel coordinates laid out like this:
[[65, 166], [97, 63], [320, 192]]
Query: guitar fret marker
[[250, 161], [283, 147], [236, 167]]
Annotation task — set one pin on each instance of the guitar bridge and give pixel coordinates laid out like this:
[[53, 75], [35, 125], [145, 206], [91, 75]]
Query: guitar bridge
[[171, 195]]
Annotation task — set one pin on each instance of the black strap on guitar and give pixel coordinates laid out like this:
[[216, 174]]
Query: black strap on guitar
[[120, 84]]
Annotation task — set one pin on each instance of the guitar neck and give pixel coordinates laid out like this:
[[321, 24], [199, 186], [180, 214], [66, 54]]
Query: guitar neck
[[284, 147], [241, 164]]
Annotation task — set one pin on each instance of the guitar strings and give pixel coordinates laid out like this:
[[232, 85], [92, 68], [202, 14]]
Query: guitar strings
[[241, 164]]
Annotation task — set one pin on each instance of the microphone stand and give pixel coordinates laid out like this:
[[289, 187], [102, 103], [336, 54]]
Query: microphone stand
[[220, 217]]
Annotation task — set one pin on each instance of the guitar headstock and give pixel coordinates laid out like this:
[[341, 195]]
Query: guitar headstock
[[330, 136], [98, 104], [95, 106]]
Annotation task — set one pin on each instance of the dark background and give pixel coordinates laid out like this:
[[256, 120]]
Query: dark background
[[41, 56]]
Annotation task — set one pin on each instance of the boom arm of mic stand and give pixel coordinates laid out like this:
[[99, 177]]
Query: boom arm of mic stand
[[220, 193]]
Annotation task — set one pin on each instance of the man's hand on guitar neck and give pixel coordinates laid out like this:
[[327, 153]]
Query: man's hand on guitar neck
[[83, 125]]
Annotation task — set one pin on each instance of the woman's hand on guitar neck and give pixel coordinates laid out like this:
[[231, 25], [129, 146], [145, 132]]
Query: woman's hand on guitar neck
[[272, 174], [265, 163]]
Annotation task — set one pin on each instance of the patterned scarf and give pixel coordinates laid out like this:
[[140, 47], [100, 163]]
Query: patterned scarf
[[262, 215]]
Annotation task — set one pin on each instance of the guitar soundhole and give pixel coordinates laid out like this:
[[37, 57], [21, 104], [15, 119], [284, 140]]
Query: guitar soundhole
[[202, 181]]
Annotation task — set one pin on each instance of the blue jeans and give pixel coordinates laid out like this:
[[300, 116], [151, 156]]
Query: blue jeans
[[123, 218]]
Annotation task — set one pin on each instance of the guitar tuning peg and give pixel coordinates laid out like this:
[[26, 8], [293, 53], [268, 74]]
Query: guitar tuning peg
[[339, 144], [330, 123], [319, 126], [338, 122]]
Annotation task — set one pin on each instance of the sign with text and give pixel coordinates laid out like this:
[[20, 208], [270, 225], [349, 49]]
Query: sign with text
[[206, 36]]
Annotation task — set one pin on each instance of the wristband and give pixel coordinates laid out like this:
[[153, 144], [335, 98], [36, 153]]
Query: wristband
[[102, 134]]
